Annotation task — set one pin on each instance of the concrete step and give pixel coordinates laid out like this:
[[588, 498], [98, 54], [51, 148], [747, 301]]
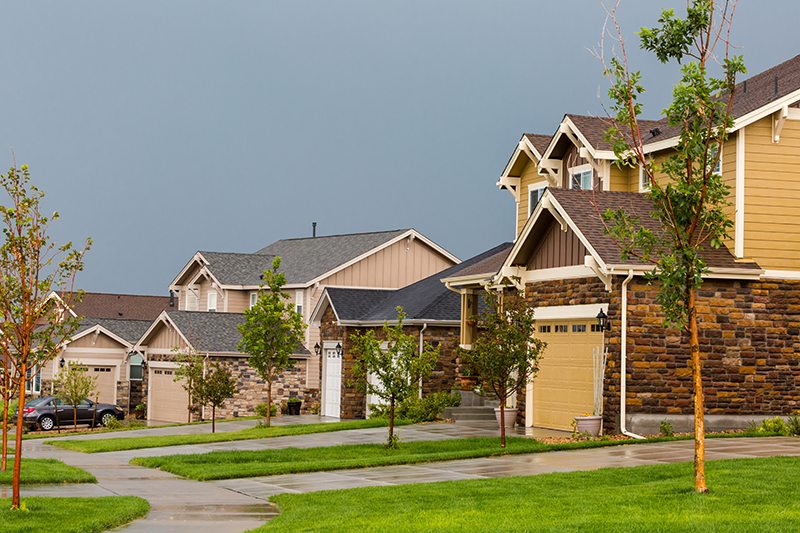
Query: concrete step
[[470, 413]]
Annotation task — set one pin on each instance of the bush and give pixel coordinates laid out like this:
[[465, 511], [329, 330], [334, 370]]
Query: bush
[[665, 428], [425, 409], [793, 424], [261, 410], [140, 411], [774, 425]]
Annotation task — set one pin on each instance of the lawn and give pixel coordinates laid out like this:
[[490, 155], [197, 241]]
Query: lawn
[[40, 471], [71, 515], [137, 443], [238, 464], [746, 495]]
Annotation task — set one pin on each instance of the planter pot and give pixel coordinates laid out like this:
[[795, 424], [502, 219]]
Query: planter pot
[[510, 414], [588, 424], [293, 408]]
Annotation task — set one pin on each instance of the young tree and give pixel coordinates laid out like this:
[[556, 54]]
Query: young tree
[[690, 203], [32, 266], [190, 375], [216, 386], [74, 385], [397, 369], [272, 330], [505, 355], [8, 390]]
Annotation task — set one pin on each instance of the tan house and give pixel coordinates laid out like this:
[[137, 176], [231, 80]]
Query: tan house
[[570, 270]]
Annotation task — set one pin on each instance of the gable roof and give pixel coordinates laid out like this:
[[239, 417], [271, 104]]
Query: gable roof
[[427, 300], [231, 268], [538, 141], [120, 306], [581, 212], [120, 329]]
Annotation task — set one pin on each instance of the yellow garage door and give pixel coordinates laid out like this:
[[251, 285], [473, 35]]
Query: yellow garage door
[[168, 400], [105, 382], [564, 389]]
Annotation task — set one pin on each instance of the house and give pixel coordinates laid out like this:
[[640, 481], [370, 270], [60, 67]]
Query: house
[[110, 325], [570, 270], [214, 336], [213, 284], [433, 313]]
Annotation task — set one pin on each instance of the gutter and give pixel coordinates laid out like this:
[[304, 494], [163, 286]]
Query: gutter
[[623, 355]]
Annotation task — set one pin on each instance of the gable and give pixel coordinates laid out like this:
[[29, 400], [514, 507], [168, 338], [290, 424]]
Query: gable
[[164, 337], [101, 340], [556, 248]]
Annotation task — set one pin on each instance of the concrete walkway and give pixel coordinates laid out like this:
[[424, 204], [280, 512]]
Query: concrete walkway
[[182, 505]]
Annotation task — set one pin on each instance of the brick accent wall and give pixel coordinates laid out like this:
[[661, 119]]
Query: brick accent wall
[[443, 377], [749, 340]]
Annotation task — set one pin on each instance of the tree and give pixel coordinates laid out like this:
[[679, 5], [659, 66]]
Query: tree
[[8, 390], [190, 375], [690, 203], [396, 368], [272, 330], [505, 355], [73, 385], [216, 386], [32, 324]]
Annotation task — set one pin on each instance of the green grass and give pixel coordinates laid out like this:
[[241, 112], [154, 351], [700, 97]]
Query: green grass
[[39, 471], [71, 515], [746, 495], [137, 443]]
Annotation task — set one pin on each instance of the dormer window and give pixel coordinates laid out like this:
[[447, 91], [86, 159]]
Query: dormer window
[[535, 193], [581, 178], [644, 180], [212, 302]]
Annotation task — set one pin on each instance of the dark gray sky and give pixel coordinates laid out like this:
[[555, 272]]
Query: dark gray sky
[[161, 128]]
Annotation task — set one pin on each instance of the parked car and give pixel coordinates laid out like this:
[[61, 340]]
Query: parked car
[[47, 412]]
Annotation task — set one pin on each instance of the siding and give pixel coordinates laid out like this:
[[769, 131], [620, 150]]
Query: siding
[[772, 196], [165, 338], [621, 180], [238, 301], [557, 249], [528, 176], [102, 341], [729, 179]]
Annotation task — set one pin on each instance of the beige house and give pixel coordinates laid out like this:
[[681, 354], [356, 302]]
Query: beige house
[[570, 271]]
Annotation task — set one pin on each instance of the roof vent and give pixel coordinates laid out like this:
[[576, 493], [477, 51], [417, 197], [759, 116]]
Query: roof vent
[[172, 298], [655, 132], [313, 229], [744, 86]]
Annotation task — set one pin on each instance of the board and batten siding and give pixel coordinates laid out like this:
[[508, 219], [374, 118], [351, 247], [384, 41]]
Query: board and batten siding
[[166, 338], [101, 341], [557, 248], [772, 195]]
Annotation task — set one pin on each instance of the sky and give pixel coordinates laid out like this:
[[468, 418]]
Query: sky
[[163, 128]]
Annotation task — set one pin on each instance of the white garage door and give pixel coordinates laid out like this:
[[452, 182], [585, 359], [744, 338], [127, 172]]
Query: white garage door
[[168, 401], [564, 387], [333, 383], [105, 382]]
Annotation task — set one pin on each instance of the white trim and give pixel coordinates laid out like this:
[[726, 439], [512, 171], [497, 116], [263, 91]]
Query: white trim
[[781, 274], [162, 318], [550, 274], [211, 295], [90, 351], [739, 191], [414, 322], [581, 169], [643, 187], [568, 312], [538, 186]]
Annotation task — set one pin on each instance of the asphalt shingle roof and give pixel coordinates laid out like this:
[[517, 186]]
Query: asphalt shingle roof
[[125, 306], [237, 268], [540, 142], [584, 208], [427, 299], [213, 332], [130, 330]]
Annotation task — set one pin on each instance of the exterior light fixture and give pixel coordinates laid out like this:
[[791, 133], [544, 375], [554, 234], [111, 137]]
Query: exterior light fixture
[[317, 349], [603, 321], [339, 349], [62, 362], [144, 364]]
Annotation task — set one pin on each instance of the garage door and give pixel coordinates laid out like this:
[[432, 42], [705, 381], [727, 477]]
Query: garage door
[[105, 382], [333, 383], [168, 400], [564, 386]]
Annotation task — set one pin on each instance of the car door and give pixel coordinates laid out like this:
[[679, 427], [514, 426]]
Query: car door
[[85, 411], [63, 412]]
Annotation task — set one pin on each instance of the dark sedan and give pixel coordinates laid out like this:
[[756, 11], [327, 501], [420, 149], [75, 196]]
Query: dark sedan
[[48, 412]]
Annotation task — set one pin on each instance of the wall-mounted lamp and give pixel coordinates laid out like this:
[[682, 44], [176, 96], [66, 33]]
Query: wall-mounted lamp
[[339, 349], [317, 348], [62, 362], [603, 321]]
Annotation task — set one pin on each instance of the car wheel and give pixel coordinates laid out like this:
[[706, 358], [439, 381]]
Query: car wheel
[[47, 423], [106, 418]]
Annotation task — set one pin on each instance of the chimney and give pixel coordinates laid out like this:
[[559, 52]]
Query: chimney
[[171, 299], [313, 229]]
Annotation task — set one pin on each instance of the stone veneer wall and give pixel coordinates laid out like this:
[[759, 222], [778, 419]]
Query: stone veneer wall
[[749, 340], [443, 377]]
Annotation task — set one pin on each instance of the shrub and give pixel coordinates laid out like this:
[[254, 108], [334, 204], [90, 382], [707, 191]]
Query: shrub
[[774, 425], [665, 428], [425, 409], [261, 410], [793, 424], [114, 424], [294, 399]]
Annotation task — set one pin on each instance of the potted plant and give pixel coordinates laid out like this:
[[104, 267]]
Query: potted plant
[[293, 405], [592, 424]]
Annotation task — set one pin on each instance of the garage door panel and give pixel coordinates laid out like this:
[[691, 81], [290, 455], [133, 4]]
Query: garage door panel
[[105, 382], [168, 400], [564, 386]]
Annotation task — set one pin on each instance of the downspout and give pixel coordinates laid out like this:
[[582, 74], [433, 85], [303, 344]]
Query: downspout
[[623, 355], [421, 347]]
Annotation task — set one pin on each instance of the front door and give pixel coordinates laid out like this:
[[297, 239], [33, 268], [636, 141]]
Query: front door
[[333, 383]]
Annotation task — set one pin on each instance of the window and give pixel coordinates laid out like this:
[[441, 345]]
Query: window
[[561, 328], [712, 154], [191, 300], [298, 302], [578, 328], [544, 329], [535, 193], [581, 178], [644, 180], [253, 299], [212, 302], [135, 372], [33, 382]]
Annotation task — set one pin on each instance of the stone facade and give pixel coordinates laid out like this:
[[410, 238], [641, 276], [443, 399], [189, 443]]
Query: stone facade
[[749, 340], [443, 377]]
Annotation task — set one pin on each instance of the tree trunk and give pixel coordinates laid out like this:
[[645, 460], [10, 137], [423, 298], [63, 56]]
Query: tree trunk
[[4, 449], [74, 418], [269, 402], [189, 409], [502, 422], [15, 499], [391, 422], [213, 418], [699, 417]]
